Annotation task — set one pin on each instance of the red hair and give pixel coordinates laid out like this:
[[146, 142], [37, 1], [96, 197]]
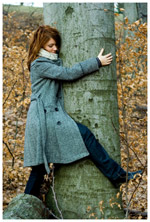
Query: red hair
[[40, 37]]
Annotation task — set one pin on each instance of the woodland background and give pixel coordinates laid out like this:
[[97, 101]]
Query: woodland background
[[131, 56]]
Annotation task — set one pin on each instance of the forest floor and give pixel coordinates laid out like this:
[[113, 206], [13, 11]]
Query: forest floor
[[18, 24]]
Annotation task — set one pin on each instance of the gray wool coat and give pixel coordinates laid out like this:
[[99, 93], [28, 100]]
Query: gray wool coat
[[51, 135]]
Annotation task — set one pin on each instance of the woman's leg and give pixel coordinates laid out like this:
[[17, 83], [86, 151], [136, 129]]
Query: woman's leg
[[35, 180], [101, 159]]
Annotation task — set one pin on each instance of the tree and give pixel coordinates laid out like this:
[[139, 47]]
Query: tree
[[142, 11], [134, 11], [80, 190]]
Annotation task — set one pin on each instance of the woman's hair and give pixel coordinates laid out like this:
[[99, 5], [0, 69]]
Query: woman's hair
[[40, 37]]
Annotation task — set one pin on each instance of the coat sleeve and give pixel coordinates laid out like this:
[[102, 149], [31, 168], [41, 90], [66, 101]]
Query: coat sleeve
[[50, 70]]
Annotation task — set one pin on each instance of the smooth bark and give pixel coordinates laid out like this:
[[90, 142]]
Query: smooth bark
[[80, 188]]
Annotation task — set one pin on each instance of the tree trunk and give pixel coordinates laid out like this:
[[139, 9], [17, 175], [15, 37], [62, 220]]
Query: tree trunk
[[80, 188], [131, 12], [142, 11], [135, 11]]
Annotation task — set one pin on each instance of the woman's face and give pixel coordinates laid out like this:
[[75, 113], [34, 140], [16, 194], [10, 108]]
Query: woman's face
[[50, 46]]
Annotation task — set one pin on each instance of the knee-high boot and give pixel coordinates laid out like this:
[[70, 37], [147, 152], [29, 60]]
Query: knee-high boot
[[35, 180]]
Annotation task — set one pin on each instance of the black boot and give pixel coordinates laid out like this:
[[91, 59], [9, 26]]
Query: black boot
[[36, 178]]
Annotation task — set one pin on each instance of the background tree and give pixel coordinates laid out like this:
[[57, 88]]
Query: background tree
[[81, 190], [134, 11], [142, 11], [131, 13]]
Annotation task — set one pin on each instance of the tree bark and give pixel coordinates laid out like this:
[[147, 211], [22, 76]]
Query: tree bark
[[142, 11], [135, 11], [80, 188], [131, 12]]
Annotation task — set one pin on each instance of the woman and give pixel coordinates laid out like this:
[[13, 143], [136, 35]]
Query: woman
[[51, 135]]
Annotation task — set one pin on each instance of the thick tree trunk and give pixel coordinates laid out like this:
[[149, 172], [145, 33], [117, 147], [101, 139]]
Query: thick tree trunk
[[85, 29]]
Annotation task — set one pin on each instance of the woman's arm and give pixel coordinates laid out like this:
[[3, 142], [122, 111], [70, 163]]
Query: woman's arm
[[47, 69]]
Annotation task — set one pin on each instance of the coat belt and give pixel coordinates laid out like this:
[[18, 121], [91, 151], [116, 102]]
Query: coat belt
[[41, 115]]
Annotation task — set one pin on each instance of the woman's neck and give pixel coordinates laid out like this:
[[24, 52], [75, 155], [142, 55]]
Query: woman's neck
[[46, 54]]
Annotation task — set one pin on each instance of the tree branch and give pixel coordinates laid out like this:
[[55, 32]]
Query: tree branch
[[52, 187], [9, 93], [22, 98], [9, 152], [126, 142], [136, 212], [136, 188]]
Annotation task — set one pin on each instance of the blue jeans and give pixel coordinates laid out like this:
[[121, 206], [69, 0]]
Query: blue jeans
[[111, 169]]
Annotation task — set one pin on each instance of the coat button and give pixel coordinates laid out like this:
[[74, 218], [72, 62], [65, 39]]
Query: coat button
[[56, 109], [58, 123]]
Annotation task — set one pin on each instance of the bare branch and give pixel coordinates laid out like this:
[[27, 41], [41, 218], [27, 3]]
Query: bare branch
[[53, 190], [10, 153], [136, 188], [136, 212], [9, 93], [126, 142]]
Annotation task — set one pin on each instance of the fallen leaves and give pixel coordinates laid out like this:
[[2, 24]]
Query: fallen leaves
[[16, 100], [132, 93]]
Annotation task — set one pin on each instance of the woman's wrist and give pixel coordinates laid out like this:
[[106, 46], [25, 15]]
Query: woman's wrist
[[99, 62]]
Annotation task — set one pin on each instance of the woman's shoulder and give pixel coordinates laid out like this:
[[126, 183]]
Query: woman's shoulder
[[42, 60]]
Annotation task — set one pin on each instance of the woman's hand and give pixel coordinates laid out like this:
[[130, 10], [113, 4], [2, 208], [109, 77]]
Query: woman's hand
[[106, 59]]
